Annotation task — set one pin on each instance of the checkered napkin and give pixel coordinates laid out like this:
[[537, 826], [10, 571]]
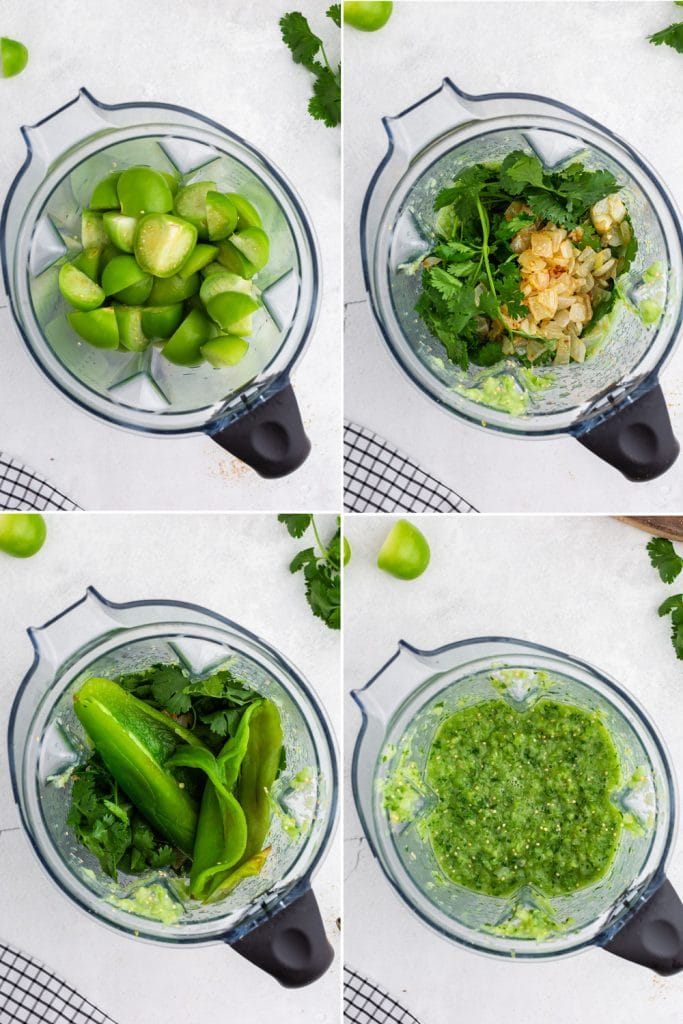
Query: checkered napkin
[[378, 478], [365, 1002], [31, 994], [22, 490]]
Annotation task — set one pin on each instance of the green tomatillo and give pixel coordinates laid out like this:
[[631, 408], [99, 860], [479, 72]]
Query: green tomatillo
[[13, 57], [405, 552], [22, 534], [368, 17]]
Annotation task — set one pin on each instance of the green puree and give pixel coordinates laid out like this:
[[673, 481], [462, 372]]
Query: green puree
[[524, 798]]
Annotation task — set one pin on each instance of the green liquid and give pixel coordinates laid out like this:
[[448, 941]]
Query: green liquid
[[524, 798]]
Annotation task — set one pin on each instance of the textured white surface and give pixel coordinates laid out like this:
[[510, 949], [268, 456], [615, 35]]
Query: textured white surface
[[582, 585], [237, 566], [592, 56], [228, 62]]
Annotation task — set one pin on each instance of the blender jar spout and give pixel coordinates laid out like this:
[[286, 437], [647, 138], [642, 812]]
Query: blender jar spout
[[394, 682], [89, 618], [49, 139], [441, 111]]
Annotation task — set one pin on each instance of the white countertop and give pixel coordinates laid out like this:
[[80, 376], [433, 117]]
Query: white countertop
[[229, 63], [584, 586], [544, 48], [237, 566]]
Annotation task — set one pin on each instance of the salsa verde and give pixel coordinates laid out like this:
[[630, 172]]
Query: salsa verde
[[524, 797]]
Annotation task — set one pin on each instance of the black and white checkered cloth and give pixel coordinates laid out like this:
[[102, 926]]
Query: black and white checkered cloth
[[379, 478], [366, 1003], [31, 994], [22, 490]]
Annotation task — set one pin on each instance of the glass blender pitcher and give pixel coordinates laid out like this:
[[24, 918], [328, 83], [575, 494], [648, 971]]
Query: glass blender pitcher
[[612, 403], [271, 919], [631, 911], [249, 409]]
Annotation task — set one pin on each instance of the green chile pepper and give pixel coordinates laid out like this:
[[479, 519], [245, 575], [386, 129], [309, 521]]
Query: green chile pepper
[[258, 772], [136, 744], [232, 829], [222, 829]]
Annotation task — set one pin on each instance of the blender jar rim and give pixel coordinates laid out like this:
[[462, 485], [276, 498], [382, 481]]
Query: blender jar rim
[[236, 402], [649, 883], [268, 902], [471, 412]]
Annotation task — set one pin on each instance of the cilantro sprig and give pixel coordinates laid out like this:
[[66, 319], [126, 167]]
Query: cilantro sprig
[[213, 705], [664, 559], [308, 49], [321, 566], [671, 36], [108, 825], [472, 276], [668, 563]]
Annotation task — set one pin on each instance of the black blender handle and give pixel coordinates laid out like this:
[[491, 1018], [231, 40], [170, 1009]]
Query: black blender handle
[[270, 437], [653, 937], [291, 945], [638, 439]]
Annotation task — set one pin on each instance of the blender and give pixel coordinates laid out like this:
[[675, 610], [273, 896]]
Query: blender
[[613, 403], [632, 911], [249, 409], [272, 919]]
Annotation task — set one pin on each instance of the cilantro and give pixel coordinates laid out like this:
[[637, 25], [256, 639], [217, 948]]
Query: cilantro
[[472, 278], [213, 705], [108, 825], [671, 36], [668, 564], [321, 566], [664, 559], [296, 523], [306, 49], [589, 237], [673, 606]]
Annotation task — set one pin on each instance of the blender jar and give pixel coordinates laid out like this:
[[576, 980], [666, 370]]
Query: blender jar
[[272, 919], [631, 911], [612, 403], [249, 409]]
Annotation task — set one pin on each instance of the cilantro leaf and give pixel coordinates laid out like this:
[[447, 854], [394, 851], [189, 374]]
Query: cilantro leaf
[[168, 689], [334, 12], [508, 285], [297, 523], [325, 103], [297, 35], [519, 169], [302, 559], [674, 606], [664, 559], [551, 208], [589, 237], [445, 284], [671, 36]]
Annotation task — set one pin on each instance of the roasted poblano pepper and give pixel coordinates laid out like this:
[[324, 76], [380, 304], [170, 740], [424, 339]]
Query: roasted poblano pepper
[[136, 743], [235, 813]]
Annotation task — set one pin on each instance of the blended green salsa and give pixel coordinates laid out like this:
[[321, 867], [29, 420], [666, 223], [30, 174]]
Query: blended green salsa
[[524, 798]]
